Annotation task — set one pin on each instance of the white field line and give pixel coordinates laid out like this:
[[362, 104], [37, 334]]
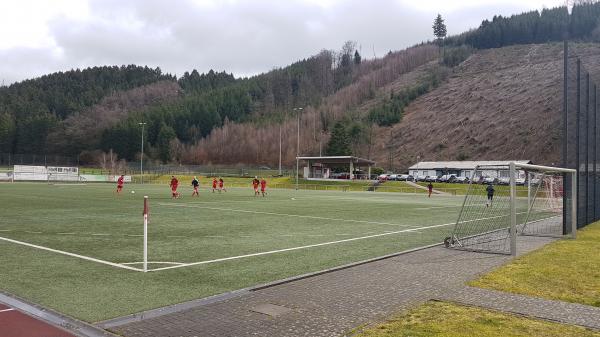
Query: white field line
[[100, 234], [301, 247], [435, 207], [415, 230], [153, 262], [285, 214], [118, 265], [5, 310], [6, 230], [71, 233]]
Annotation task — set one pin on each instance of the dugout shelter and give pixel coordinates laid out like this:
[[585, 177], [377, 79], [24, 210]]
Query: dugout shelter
[[321, 167]]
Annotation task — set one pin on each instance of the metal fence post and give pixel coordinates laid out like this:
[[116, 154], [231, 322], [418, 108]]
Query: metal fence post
[[574, 205], [577, 131], [513, 210]]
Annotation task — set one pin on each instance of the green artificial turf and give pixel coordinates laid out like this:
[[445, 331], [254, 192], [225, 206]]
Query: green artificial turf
[[91, 221]]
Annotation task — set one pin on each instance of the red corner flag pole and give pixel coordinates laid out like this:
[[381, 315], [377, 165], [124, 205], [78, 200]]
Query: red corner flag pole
[[145, 234]]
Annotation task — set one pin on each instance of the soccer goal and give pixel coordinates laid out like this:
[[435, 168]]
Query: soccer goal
[[505, 200]]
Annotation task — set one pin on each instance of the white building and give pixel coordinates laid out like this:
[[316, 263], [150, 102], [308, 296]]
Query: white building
[[462, 168]]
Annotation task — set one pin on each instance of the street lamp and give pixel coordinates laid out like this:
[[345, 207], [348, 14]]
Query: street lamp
[[142, 156], [297, 145]]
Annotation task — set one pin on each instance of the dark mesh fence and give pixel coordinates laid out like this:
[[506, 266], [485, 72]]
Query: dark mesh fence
[[580, 136], [10, 159]]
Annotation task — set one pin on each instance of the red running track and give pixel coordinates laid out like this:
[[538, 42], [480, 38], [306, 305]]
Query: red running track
[[14, 323]]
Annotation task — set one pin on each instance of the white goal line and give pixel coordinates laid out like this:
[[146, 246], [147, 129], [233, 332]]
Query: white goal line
[[301, 247], [118, 265], [285, 214]]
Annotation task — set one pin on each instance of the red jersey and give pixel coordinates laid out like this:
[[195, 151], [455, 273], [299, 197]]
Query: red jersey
[[263, 184], [220, 183], [120, 181], [255, 183], [214, 183], [174, 182]]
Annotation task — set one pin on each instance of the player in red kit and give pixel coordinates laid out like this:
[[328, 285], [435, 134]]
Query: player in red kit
[[174, 184], [221, 185], [214, 184], [255, 183], [120, 183], [263, 187]]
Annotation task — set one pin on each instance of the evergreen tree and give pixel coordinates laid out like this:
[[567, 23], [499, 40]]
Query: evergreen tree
[[439, 28], [165, 135], [7, 133], [339, 143], [357, 58]]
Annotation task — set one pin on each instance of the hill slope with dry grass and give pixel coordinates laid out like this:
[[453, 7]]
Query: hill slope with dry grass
[[503, 103]]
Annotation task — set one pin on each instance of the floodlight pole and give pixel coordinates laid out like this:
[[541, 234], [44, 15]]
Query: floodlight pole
[[297, 146], [142, 155]]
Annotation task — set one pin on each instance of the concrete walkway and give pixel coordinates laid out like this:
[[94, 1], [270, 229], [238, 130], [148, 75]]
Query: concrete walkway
[[333, 304]]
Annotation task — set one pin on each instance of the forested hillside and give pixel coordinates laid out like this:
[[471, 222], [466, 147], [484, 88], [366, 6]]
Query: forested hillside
[[372, 108]]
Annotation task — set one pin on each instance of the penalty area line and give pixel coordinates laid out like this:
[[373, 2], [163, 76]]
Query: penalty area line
[[284, 214], [83, 257], [301, 247]]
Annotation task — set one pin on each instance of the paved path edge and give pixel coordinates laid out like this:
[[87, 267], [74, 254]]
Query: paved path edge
[[70, 324], [152, 313]]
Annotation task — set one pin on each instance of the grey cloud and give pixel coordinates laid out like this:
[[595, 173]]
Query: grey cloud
[[244, 37]]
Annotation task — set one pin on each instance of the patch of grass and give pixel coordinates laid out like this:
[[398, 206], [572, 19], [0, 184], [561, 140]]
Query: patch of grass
[[566, 270], [451, 320]]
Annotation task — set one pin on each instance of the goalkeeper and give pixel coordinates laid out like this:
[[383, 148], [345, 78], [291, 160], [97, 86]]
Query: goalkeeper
[[490, 195]]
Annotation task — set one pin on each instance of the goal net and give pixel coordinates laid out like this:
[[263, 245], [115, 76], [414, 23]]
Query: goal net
[[545, 200], [503, 200]]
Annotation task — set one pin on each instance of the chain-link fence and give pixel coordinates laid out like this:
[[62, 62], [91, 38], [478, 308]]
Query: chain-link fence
[[9, 160], [580, 133]]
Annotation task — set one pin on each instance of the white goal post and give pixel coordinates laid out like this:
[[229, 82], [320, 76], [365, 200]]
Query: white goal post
[[492, 214]]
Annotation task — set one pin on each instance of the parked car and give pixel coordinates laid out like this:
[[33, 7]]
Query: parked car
[[520, 181], [383, 177], [461, 180], [489, 180], [447, 178], [504, 181], [431, 179], [393, 177], [340, 175], [405, 177], [420, 178]]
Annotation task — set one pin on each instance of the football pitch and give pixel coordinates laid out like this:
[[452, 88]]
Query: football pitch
[[78, 248]]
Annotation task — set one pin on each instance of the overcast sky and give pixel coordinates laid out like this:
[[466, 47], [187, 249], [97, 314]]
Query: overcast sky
[[244, 37]]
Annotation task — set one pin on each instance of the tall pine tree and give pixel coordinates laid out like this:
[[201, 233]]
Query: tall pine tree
[[339, 143], [439, 28]]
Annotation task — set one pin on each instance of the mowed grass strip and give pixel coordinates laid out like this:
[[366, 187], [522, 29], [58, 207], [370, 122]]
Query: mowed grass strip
[[566, 270], [451, 320]]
